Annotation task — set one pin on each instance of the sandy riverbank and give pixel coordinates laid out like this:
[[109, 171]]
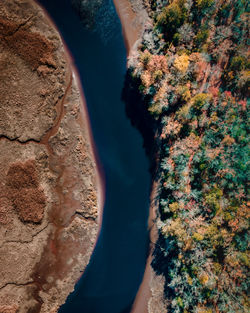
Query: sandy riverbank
[[100, 179], [85, 121], [131, 31], [133, 18], [144, 293], [149, 296]]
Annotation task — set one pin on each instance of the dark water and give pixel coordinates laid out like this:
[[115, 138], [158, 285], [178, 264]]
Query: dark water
[[116, 268]]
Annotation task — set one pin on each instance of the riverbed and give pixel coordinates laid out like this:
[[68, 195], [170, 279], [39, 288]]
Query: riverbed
[[112, 278]]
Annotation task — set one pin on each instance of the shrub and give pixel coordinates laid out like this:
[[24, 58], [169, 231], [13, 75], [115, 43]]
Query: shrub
[[171, 18], [201, 37], [184, 92], [181, 63], [145, 57], [204, 4], [199, 100], [238, 63], [157, 76]]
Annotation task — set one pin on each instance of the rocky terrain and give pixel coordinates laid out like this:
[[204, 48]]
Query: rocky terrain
[[48, 181]]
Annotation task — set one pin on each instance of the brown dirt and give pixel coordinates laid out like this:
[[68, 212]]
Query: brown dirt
[[48, 181], [8, 309]]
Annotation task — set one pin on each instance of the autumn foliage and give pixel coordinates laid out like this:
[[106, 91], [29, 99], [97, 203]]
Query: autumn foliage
[[194, 73]]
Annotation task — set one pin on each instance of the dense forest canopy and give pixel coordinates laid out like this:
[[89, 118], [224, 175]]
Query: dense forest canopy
[[193, 76]]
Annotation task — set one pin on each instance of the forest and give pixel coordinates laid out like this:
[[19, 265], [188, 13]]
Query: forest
[[193, 72]]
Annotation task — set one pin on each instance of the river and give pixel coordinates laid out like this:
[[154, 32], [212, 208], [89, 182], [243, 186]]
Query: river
[[112, 278]]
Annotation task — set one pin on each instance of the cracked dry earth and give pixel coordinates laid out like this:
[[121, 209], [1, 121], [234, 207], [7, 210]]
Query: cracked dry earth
[[48, 193]]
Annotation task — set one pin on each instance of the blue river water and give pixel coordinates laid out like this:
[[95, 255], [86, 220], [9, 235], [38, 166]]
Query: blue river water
[[116, 268]]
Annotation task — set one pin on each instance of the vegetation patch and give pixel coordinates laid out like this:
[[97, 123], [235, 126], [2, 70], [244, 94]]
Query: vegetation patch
[[25, 194], [193, 70]]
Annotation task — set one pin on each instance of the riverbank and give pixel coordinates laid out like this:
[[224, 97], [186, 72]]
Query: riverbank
[[192, 81], [85, 123], [101, 63], [149, 298], [51, 195], [133, 17], [100, 177]]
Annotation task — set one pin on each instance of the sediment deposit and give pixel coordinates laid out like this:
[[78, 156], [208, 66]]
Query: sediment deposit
[[48, 181]]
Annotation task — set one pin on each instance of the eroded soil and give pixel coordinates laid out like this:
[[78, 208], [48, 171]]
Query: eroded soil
[[48, 193]]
